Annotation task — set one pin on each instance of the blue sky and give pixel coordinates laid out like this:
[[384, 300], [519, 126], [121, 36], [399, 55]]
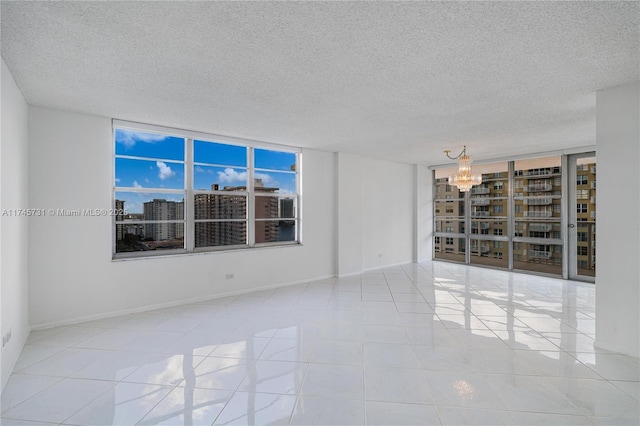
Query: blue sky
[[215, 163]]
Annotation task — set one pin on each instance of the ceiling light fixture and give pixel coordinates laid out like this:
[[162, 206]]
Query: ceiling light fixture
[[464, 179]]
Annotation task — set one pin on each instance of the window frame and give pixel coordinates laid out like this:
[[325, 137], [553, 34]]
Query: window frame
[[189, 191]]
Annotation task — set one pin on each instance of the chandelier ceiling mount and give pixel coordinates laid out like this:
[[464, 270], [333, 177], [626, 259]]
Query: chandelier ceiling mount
[[464, 179]]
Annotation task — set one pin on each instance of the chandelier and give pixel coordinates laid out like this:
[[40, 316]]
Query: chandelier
[[464, 179]]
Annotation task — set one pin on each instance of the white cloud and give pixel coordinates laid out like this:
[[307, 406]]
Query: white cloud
[[136, 184], [231, 176], [117, 180], [129, 138], [267, 180], [165, 171]]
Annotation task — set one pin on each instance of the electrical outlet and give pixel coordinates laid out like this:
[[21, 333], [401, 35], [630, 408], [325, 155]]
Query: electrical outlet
[[6, 338], [229, 276]]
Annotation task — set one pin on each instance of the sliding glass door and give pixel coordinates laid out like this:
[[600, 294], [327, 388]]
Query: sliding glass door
[[582, 217]]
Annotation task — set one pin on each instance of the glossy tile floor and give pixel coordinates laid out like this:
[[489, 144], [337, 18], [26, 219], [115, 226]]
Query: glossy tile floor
[[433, 343]]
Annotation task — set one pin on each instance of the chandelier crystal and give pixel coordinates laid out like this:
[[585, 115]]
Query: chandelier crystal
[[464, 179]]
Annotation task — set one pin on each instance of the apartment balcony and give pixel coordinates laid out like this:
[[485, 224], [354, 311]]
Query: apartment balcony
[[540, 227], [480, 190], [538, 201], [593, 170], [480, 201], [540, 254], [483, 225], [593, 215], [593, 185], [538, 187], [480, 214], [482, 249], [538, 214], [593, 200], [542, 172]]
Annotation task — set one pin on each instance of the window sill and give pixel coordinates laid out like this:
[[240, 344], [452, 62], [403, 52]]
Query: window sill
[[199, 252]]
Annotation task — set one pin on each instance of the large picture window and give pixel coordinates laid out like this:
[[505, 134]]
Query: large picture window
[[515, 211], [180, 192]]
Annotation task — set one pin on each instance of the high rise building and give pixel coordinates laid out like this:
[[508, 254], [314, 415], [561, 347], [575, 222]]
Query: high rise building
[[216, 207], [586, 218], [119, 206], [537, 213], [160, 209], [221, 216], [266, 207]]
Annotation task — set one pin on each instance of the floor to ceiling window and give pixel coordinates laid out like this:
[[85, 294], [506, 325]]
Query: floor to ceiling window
[[537, 239], [488, 215], [449, 214], [518, 217]]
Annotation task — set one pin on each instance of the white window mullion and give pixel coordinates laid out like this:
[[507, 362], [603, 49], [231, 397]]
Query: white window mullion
[[189, 214], [251, 211], [298, 201]]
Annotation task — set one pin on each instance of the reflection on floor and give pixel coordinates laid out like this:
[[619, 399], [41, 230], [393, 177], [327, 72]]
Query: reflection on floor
[[432, 343]]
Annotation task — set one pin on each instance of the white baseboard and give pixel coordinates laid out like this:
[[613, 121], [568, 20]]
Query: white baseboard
[[376, 268], [616, 348], [24, 342]]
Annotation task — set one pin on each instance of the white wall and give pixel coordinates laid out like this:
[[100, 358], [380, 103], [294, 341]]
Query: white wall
[[618, 242], [71, 272], [388, 212], [376, 213], [423, 238], [13, 230], [349, 252]]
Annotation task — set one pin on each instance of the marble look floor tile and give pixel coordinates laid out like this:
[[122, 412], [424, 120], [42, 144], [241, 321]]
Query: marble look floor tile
[[218, 373], [66, 362], [282, 377], [384, 334], [166, 370], [474, 416], [425, 343], [15, 422], [597, 398], [528, 393], [462, 389], [337, 352], [69, 336], [114, 366], [34, 353], [300, 350], [535, 419], [249, 349], [21, 387], [334, 381], [401, 385], [390, 355], [59, 401], [188, 406], [122, 404], [393, 413], [315, 410], [630, 388], [247, 408]]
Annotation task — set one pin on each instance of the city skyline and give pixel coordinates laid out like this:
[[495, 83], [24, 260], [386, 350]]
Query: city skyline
[[157, 162]]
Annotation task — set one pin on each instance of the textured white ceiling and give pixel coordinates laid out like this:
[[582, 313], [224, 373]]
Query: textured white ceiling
[[400, 81]]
